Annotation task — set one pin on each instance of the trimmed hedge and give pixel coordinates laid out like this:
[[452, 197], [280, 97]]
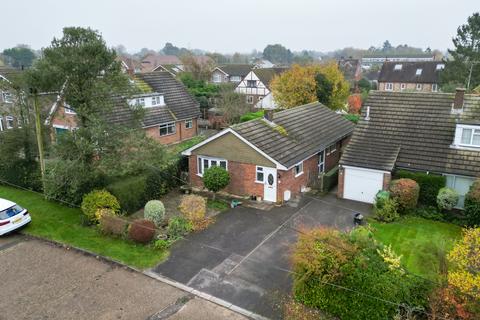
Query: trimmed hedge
[[330, 179], [160, 181], [430, 185], [472, 204], [130, 193]]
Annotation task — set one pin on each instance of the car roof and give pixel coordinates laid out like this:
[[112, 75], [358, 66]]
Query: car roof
[[5, 204]]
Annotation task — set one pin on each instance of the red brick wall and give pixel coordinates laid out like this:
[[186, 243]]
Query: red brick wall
[[64, 119], [181, 133], [288, 181]]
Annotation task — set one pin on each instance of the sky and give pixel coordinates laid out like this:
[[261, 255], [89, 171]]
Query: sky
[[229, 26]]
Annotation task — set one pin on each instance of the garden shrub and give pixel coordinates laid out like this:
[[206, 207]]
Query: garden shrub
[[380, 198], [472, 204], [178, 227], [194, 209], [160, 181], [141, 231], [429, 184], [330, 179], [130, 193], [99, 199], [325, 261], [69, 180], [215, 179], [447, 198], [162, 244], [113, 225], [154, 211], [431, 213], [405, 192], [388, 211]]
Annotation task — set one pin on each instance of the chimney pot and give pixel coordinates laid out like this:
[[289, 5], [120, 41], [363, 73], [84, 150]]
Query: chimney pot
[[458, 101]]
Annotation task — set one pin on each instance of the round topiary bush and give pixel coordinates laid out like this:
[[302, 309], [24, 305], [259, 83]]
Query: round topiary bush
[[141, 231], [405, 192], [97, 200], [447, 199], [472, 204], [215, 179], [154, 211]]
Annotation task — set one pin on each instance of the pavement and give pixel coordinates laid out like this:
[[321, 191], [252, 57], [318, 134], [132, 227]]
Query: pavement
[[40, 280], [244, 257]]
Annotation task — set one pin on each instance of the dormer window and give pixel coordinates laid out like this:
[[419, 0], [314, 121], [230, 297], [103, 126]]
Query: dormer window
[[157, 101], [148, 100], [440, 66], [418, 72], [398, 67], [467, 136], [140, 102]]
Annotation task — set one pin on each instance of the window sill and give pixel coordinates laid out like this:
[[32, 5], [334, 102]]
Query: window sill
[[166, 135], [298, 175], [259, 182], [199, 175]]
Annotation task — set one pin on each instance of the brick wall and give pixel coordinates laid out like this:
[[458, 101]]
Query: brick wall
[[181, 133], [288, 181]]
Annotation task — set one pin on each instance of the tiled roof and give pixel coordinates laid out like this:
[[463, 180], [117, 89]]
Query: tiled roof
[[413, 130], [308, 129], [10, 73], [236, 69], [408, 72], [267, 74]]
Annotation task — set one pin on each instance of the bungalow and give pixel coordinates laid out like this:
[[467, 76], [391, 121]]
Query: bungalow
[[436, 133], [230, 73], [170, 116], [256, 86], [277, 157]]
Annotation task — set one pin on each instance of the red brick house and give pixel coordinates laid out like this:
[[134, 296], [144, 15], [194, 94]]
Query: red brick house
[[277, 157], [170, 116]]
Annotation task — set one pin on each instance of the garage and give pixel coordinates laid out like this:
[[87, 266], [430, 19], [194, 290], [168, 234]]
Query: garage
[[362, 184]]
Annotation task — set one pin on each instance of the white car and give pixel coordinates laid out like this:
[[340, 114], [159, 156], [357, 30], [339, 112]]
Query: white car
[[12, 216]]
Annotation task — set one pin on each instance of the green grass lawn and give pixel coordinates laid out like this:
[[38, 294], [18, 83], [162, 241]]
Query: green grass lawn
[[53, 221], [421, 242]]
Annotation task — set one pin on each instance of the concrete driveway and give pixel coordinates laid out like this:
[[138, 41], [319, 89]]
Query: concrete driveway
[[43, 281], [244, 257]]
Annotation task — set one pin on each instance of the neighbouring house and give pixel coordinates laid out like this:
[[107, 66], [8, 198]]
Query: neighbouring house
[[233, 73], [351, 69], [373, 59], [276, 157], [436, 133], [256, 86], [129, 65], [171, 114], [173, 69], [411, 76], [262, 63], [9, 112], [153, 60]]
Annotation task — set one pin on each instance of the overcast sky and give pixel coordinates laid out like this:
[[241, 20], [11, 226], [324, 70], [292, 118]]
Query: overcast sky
[[242, 25]]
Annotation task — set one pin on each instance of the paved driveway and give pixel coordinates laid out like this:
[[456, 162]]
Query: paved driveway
[[244, 257], [42, 281]]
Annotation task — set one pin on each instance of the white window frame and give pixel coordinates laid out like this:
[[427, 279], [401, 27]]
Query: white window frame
[[475, 131], [434, 87], [454, 185], [167, 126], [250, 99], [403, 86], [298, 169], [201, 164], [388, 86], [7, 97], [254, 82], [1, 124], [258, 170], [9, 122], [69, 111], [217, 78], [331, 149], [235, 79], [140, 102], [398, 66], [156, 101], [321, 164], [189, 124], [419, 86], [419, 72]]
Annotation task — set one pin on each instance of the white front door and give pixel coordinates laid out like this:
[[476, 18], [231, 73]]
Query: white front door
[[362, 184], [270, 184]]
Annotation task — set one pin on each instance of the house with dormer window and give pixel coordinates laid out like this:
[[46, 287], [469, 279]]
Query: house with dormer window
[[434, 133], [410, 76], [170, 112]]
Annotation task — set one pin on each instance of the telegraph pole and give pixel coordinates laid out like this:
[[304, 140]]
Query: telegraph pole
[[38, 131]]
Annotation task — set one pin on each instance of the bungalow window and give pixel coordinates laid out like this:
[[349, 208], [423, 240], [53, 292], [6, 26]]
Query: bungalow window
[[298, 169], [251, 83], [9, 121], [189, 124], [388, 86], [167, 129], [470, 137], [419, 86], [250, 99], [259, 177], [461, 185], [205, 163], [331, 149]]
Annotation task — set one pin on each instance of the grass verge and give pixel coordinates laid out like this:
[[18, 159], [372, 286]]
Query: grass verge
[[422, 243], [53, 221]]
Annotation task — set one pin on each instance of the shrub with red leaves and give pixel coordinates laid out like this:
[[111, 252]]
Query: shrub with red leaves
[[142, 231], [405, 192], [354, 103]]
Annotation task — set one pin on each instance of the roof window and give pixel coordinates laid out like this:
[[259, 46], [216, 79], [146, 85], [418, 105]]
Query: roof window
[[418, 72], [398, 67], [440, 66]]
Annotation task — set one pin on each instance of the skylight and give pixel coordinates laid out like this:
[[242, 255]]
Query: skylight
[[419, 72], [440, 66], [398, 67]]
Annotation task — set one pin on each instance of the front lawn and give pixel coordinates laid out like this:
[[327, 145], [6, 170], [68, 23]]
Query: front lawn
[[53, 221], [421, 242]]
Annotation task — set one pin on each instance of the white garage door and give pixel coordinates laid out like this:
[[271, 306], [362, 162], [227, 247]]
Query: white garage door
[[362, 184]]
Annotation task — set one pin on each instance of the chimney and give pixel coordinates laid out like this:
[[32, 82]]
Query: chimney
[[458, 101], [367, 116], [268, 115]]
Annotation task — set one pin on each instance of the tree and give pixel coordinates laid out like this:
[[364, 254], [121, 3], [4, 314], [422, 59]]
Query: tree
[[215, 179], [232, 104], [464, 67], [170, 49], [19, 56], [298, 86], [199, 69], [387, 47], [278, 54]]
